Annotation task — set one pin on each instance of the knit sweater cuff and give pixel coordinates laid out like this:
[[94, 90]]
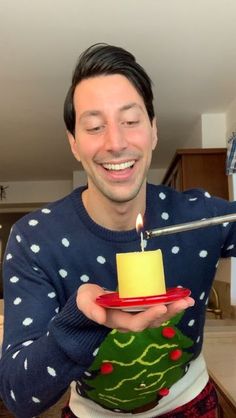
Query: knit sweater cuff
[[77, 335]]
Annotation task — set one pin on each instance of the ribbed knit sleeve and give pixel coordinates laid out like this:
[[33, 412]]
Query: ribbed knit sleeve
[[76, 334]]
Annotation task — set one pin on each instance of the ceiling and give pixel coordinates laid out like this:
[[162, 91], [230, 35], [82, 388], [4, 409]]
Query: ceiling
[[186, 46]]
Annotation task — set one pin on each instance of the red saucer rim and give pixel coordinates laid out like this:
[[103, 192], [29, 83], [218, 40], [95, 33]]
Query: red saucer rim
[[112, 299]]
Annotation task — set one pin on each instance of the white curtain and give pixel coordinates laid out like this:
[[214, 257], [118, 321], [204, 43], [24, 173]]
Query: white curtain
[[231, 155]]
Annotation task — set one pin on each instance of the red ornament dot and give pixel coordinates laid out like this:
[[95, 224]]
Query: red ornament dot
[[176, 354], [164, 392], [168, 332], [106, 368]]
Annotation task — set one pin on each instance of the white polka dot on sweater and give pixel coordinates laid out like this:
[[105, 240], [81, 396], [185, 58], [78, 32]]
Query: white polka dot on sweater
[[27, 322], [46, 210], [65, 242], [203, 254], [87, 374], [101, 259], [63, 273], [230, 247], [191, 322], [26, 343], [225, 224], [15, 354], [33, 222], [165, 216], [13, 395], [17, 301], [162, 196], [52, 295], [51, 371], [202, 295], [8, 256], [95, 351], [198, 339], [207, 194], [175, 250], [18, 238], [35, 248], [35, 400], [26, 364], [14, 279], [84, 278], [192, 199]]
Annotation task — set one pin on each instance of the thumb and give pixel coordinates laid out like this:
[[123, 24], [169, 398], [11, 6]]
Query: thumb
[[86, 302]]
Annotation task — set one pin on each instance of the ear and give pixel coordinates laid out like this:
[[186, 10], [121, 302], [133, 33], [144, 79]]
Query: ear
[[73, 145], [154, 133]]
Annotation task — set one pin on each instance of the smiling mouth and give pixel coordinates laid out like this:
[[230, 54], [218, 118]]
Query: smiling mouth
[[118, 167]]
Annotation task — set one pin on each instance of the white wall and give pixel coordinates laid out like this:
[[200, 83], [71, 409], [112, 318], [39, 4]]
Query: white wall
[[35, 191], [195, 137], [156, 175], [213, 130], [208, 132], [79, 178]]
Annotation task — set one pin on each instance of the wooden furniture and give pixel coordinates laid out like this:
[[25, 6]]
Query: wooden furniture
[[220, 355], [226, 409], [199, 167]]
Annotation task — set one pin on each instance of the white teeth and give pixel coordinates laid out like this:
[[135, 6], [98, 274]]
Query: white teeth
[[117, 167]]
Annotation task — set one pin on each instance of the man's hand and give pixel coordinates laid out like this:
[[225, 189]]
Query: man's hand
[[152, 317]]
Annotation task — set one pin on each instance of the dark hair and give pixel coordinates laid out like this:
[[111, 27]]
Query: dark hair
[[107, 59]]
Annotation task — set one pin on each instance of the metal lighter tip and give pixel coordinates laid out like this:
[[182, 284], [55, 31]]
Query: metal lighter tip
[[173, 229]]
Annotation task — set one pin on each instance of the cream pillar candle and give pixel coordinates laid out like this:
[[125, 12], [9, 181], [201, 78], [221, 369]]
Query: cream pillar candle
[[140, 274]]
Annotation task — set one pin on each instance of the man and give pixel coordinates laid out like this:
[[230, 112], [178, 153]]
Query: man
[[61, 258]]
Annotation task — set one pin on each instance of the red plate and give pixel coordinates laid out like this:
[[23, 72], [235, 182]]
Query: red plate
[[112, 300]]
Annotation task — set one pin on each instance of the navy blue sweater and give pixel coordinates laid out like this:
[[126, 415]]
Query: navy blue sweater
[[48, 342]]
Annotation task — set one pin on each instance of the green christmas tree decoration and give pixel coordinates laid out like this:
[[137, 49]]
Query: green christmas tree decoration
[[133, 369]]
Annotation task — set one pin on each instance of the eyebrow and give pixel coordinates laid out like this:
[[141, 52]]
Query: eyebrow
[[131, 106], [122, 109]]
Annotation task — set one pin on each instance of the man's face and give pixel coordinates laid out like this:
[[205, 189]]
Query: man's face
[[114, 138]]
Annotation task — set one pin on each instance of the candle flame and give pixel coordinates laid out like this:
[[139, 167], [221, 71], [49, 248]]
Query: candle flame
[[139, 223]]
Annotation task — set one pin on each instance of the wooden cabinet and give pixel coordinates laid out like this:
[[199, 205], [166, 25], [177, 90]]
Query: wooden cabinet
[[226, 408], [199, 167]]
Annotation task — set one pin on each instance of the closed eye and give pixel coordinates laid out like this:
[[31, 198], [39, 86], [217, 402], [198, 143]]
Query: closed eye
[[95, 130], [131, 122]]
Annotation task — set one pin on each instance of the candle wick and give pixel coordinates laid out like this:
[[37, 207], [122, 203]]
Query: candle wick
[[142, 241]]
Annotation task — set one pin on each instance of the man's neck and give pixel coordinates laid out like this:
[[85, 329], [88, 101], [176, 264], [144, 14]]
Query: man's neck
[[116, 216]]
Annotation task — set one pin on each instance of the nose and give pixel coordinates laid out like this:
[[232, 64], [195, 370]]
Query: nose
[[115, 139]]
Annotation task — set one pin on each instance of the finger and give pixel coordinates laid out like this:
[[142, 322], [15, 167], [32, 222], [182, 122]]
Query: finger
[[180, 305], [86, 302], [136, 321], [173, 309]]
